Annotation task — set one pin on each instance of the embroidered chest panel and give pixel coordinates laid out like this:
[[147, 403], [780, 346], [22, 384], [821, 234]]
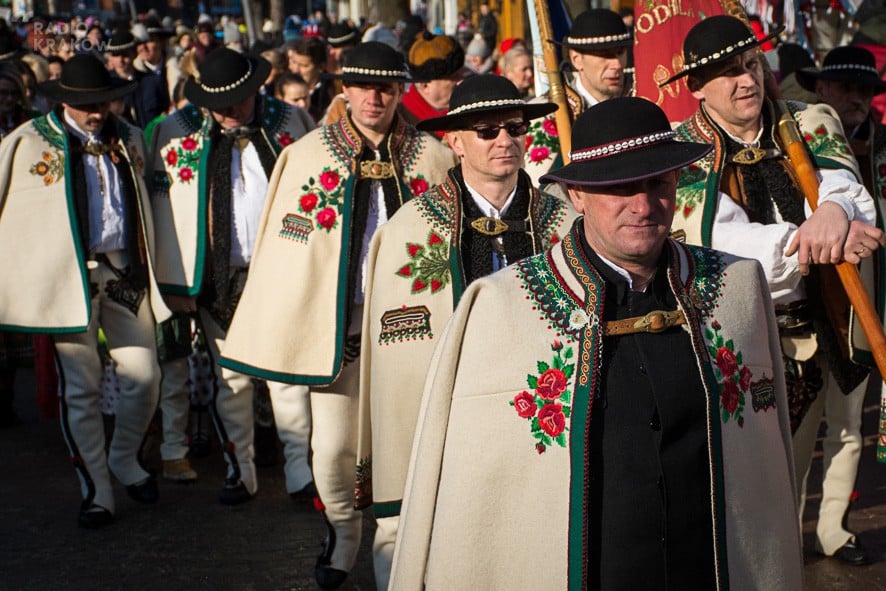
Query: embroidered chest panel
[[441, 208], [692, 185], [542, 141]]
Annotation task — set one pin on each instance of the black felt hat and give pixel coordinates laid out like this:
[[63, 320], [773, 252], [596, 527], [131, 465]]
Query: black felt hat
[[341, 35], [85, 80], [623, 140], [716, 39], [121, 41], [155, 28], [373, 61], [481, 95], [595, 30], [852, 65], [226, 78]]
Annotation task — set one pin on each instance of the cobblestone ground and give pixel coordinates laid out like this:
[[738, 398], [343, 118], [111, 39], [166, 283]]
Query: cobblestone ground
[[189, 541]]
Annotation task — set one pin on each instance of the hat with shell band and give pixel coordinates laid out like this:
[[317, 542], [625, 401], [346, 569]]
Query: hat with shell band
[[623, 140], [716, 39], [121, 41], [85, 80], [226, 78], [595, 30], [372, 61], [341, 35], [851, 65], [481, 95]]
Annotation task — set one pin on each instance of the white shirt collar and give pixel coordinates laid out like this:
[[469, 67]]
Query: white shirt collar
[[84, 136], [487, 208], [586, 96], [619, 270]]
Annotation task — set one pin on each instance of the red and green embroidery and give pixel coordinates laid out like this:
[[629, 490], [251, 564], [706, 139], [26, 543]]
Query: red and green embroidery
[[691, 189], [542, 140], [419, 185], [733, 377], [51, 167], [823, 143], [548, 405], [284, 139], [428, 264], [323, 198], [182, 157]]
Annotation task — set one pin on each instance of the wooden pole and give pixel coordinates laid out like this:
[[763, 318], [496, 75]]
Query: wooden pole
[[557, 93]]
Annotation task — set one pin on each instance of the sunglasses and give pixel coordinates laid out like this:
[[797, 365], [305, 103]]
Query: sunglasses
[[490, 132]]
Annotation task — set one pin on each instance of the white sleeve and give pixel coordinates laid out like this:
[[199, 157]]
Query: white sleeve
[[736, 234], [839, 186]]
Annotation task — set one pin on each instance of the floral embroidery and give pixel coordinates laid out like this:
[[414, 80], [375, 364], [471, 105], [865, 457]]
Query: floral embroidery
[[707, 281], [824, 144], [428, 265], [763, 394], [733, 377], [363, 484], [324, 202], [51, 167], [418, 185], [542, 140], [691, 189], [182, 158], [547, 295], [547, 408], [284, 139]]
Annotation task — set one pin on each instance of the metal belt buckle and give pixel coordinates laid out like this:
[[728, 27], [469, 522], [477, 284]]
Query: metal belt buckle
[[489, 226], [658, 320], [376, 170], [749, 156]]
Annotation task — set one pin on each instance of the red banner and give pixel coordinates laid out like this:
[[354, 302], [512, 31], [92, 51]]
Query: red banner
[[659, 29]]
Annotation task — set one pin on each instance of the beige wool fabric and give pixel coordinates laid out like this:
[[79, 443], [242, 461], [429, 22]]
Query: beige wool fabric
[[485, 510], [48, 290]]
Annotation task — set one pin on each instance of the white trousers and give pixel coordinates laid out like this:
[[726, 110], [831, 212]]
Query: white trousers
[[232, 411], [132, 347], [334, 443], [292, 416], [175, 406], [842, 450], [383, 549]]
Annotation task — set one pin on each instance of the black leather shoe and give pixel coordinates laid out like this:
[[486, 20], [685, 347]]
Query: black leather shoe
[[328, 577], [234, 494], [145, 491], [305, 493], [852, 553], [94, 517]]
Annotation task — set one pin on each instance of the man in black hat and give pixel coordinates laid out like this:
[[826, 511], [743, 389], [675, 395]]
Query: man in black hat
[[150, 98], [211, 171], [489, 213], [151, 38], [745, 199], [587, 419], [300, 316], [847, 81], [597, 47], [77, 239]]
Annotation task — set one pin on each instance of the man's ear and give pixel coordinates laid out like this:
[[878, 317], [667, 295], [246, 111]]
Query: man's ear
[[575, 59], [454, 140], [819, 87], [695, 87], [575, 196]]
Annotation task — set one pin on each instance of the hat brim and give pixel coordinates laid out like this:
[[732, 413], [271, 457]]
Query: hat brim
[[592, 47], [217, 101], [629, 166], [56, 92], [452, 122], [806, 78], [723, 58]]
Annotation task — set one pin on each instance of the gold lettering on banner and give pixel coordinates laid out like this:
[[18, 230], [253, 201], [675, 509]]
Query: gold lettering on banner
[[661, 73], [660, 14]]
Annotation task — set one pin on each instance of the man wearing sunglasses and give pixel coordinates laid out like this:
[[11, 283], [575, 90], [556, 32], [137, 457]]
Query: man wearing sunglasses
[[483, 217]]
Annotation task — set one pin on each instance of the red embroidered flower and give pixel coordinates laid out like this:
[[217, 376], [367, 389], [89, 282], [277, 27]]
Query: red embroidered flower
[[524, 404], [555, 239], [744, 378], [308, 202], [434, 239], [171, 157], [186, 174], [726, 362], [551, 384], [418, 285], [687, 210], [729, 397], [414, 249], [436, 284], [540, 448], [418, 186], [820, 130], [405, 271], [189, 144], [284, 139], [329, 180], [550, 127], [716, 325], [551, 419], [326, 218], [882, 169], [557, 345], [539, 154], [808, 137], [529, 140]]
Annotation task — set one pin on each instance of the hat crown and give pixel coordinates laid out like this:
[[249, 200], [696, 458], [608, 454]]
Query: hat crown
[[483, 91], [85, 72], [618, 120], [714, 35], [598, 26], [428, 47], [850, 56], [224, 69], [376, 57]]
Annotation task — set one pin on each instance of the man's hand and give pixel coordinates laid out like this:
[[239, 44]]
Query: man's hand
[[180, 303], [862, 242], [821, 238]]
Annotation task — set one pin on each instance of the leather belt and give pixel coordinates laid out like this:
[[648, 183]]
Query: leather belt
[[654, 322], [496, 226], [376, 170]]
